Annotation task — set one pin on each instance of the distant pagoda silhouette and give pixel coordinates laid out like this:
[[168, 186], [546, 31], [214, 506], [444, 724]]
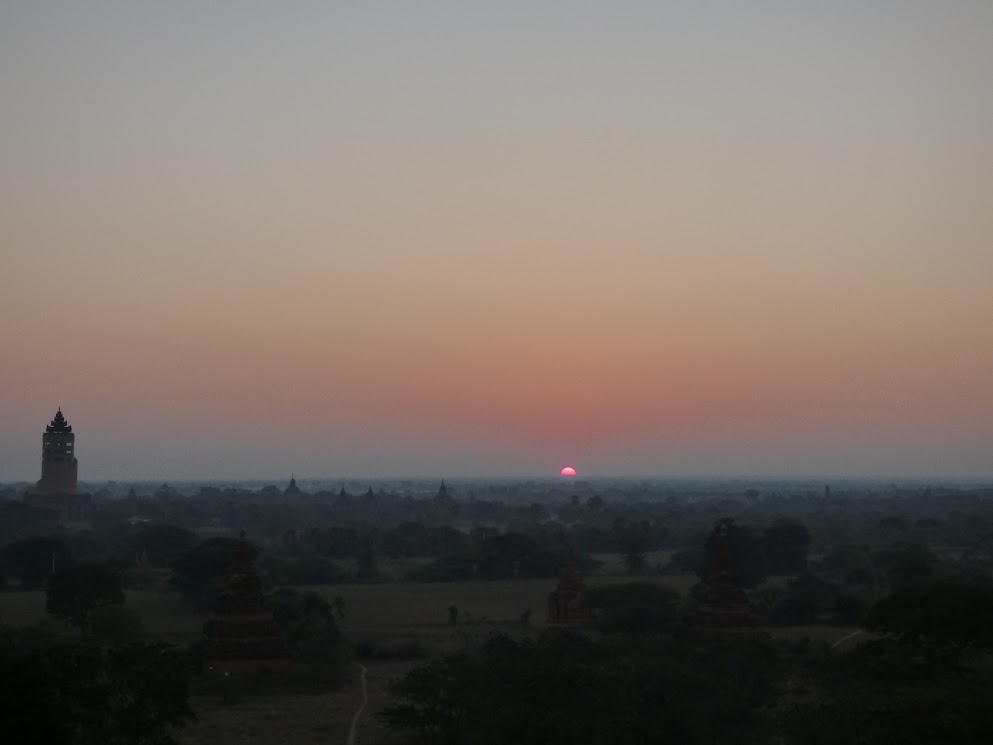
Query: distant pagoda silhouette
[[443, 495], [292, 490], [57, 489], [241, 634], [59, 467], [725, 604]]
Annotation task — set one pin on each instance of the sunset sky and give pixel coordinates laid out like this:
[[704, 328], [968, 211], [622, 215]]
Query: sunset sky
[[244, 239]]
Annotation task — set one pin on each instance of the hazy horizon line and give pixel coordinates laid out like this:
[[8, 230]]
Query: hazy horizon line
[[808, 478]]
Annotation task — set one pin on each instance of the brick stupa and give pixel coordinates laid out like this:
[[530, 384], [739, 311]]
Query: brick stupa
[[567, 602], [724, 605], [241, 634]]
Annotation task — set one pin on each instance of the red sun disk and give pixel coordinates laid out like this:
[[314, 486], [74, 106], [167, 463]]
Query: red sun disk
[[567, 471]]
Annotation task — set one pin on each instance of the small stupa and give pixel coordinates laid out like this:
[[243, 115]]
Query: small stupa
[[241, 634]]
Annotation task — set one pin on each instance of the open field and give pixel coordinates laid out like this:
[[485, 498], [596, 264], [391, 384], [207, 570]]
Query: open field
[[416, 605], [401, 610], [385, 614], [271, 719]]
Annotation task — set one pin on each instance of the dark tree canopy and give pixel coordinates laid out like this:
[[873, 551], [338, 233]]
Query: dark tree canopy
[[199, 573], [565, 689], [160, 545], [786, 544], [32, 560], [85, 695], [633, 607], [945, 611], [77, 589]]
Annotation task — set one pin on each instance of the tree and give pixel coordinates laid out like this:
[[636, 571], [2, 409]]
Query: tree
[[76, 590], [85, 695], [906, 562], [637, 607], [786, 546], [633, 541], [805, 599], [310, 625], [115, 625], [160, 545], [563, 688], [505, 554], [199, 573], [32, 560], [693, 560], [944, 613], [291, 608], [368, 564]]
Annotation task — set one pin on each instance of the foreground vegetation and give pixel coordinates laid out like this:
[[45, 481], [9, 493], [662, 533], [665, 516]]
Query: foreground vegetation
[[874, 610]]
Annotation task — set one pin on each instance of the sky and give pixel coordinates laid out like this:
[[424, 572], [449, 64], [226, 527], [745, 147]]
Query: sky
[[249, 239]]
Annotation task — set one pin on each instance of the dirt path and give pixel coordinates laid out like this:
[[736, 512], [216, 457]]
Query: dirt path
[[358, 711], [845, 638]]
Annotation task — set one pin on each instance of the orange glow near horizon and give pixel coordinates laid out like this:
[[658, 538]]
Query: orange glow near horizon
[[400, 243]]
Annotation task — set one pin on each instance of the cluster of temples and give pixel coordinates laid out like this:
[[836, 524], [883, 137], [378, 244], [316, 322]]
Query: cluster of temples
[[724, 606]]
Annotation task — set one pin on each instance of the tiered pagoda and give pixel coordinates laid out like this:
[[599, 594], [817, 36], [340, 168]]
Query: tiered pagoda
[[725, 604], [443, 495], [241, 634], [57, 488], [567, 602], [292, 490], [59, 466]]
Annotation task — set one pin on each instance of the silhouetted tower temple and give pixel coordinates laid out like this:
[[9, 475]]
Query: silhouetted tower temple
[[56, 490], [443, 495], [59, 466], [725, 604], [567, 602], [292, 490], [241, 634]]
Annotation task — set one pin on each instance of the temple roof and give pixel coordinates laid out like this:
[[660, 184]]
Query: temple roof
[[292, 488], [59, 423]]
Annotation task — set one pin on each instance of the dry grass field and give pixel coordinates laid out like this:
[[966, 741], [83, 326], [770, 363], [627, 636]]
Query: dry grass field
[[385, 613], [271, 719]]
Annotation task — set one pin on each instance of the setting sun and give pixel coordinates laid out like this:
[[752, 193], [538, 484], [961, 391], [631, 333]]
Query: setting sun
[[567, 471]]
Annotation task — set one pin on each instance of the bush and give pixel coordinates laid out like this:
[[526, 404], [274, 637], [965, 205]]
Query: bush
[[114, 624], [307, 570], [404, 649], [635, 607]]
